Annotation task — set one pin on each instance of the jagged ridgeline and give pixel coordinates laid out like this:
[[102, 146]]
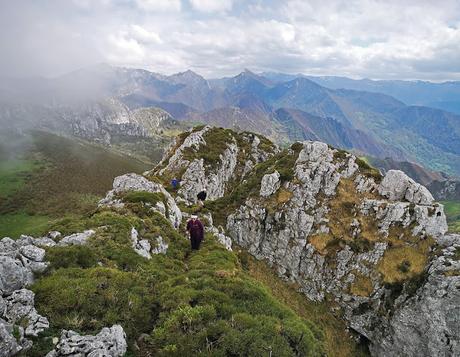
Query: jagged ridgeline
[[375, 248], [371, 249]]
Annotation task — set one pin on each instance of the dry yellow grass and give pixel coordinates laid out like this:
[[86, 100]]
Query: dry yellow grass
[[320, 241], [283, 196], [404, 262], [362, 286]]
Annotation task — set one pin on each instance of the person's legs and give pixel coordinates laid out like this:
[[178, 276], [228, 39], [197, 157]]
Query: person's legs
[[195, 243]]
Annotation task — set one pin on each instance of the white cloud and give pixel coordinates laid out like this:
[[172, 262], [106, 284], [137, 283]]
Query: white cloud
[[159, 5], [145, 36], [359, 38], [212, 5]]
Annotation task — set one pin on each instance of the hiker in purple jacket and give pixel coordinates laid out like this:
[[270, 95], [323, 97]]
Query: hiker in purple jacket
[[196, 230]]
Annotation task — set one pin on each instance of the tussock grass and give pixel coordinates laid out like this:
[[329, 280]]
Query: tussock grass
[[362, 285], [404, 262]]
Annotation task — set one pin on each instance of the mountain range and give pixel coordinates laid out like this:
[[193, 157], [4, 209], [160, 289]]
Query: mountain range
[[349, 114]]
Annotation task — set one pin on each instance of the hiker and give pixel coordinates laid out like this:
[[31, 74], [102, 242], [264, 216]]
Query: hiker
[[175, 183], [196, 230], [201, 196]]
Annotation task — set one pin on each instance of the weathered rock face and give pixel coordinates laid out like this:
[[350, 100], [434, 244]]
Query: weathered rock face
[[270, 184], [184, 159], [76, 238], [19, 260], [341, 235], [110, 342], [143, 246], [135, 182], [428, 323], [396, 186]]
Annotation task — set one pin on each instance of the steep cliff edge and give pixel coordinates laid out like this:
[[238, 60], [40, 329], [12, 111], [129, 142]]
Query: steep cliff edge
[[374, 247]]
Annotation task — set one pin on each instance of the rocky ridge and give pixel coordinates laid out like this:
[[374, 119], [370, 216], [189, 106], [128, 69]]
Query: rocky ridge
[[369, 245], [375, 248]]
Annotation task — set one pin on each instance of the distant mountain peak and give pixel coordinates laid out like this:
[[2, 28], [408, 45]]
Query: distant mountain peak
[[188, 77]]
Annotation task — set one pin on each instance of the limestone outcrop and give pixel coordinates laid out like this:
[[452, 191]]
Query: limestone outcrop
[[19, 261], [333, 225], [110, 342], [209, 159], [135, 182]]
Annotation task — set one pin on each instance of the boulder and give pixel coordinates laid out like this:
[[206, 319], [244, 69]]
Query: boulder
[[20, 307], [270, 184], [141, 247], [76, 238], [397, 186], [32, 252], [161, 246], [13, 275], [9, 346], [109, 342]]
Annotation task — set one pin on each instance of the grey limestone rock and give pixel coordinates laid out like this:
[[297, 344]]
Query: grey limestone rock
[[270, 184], [161, 246], [196, 178], [141, 247], [9, 346], [396, 186], [109, 342], [135, 182], [76, 238]]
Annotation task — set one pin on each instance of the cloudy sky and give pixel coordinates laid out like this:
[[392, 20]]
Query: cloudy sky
[[410, 39]]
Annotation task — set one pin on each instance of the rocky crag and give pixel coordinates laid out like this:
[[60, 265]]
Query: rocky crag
[[103, 121], [376, 248]]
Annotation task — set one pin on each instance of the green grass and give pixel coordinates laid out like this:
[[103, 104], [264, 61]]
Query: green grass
[[71, 176], [14, 173], [188, 303], [452, 210], [15, 224]]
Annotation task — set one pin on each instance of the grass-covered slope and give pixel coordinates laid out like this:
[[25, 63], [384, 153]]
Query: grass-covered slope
[[45, 176], [178, 304]]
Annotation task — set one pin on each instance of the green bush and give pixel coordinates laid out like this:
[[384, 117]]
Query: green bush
[[88, 299], [71, 257]]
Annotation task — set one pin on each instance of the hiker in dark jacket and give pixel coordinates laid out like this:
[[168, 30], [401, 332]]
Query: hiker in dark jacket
[[201, 196], [196, 230]]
